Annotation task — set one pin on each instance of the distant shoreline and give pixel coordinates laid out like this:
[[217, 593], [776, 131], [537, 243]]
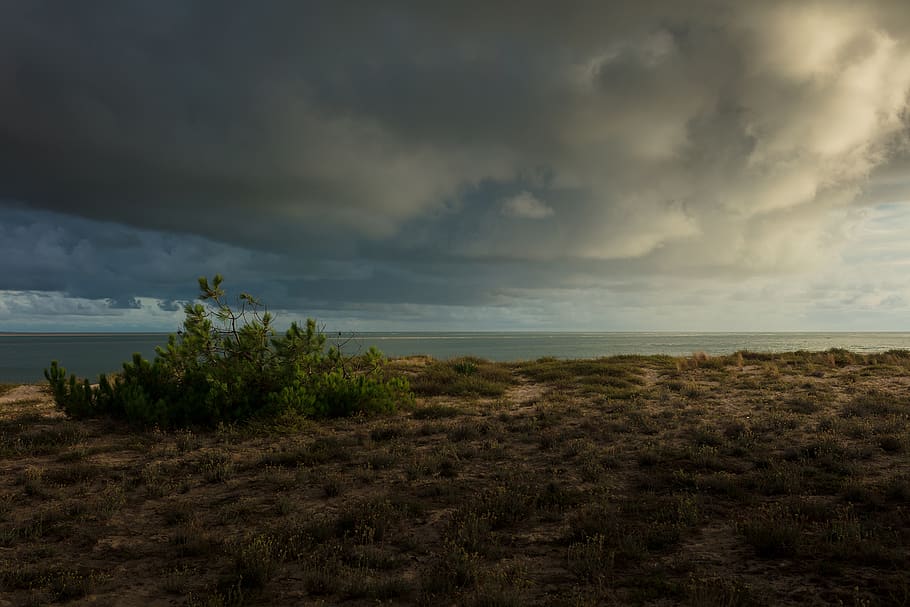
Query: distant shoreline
[[25, 355], [330, 333], [79, 333]]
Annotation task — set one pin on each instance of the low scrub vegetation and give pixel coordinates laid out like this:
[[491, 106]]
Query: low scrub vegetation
[[751, 479], [466, 376], [229, 365]]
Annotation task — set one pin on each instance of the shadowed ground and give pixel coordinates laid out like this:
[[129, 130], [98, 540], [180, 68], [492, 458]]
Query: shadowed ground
[[741, 480]]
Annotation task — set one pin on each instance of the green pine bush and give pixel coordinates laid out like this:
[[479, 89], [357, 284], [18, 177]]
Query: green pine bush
[[227, 365]]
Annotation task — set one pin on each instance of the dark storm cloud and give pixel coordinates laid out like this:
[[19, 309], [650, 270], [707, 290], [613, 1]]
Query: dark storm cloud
[[336, 154], [45, 251]]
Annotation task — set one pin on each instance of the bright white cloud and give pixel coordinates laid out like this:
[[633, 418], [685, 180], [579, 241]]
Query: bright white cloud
[[49, 310]]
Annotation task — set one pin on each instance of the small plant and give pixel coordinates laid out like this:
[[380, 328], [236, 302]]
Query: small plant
[[190, 539], [368, 521], [465, 366], [775, 532], [332, 484], [471, 531], [109, 501], [387, 433], [322, 578], [187, 441], [71, 585], [283, 505], [591, 559], [452, 569], [255, 560], [216, 467]]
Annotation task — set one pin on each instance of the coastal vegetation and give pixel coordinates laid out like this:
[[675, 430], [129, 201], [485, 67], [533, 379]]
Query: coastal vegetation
[[750, 479], [227, 365]]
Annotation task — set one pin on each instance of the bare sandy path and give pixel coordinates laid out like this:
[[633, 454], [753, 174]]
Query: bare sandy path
[[26, 392], [36, 397]]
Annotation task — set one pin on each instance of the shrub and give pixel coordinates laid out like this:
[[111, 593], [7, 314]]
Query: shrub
[[463, 377], [227, 364]]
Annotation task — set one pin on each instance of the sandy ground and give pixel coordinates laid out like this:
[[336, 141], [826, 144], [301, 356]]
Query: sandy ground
[[779, 481]]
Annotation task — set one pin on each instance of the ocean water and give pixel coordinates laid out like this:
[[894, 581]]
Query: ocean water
[[24, 357]]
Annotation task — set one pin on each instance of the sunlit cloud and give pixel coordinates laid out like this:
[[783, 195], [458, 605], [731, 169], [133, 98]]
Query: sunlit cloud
[[525, 205], [451, 164]]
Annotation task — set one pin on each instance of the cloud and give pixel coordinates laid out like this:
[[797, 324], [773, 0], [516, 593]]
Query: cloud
[[56, 311], [526, 206], [266, 128], [396, 154], [44, 251]]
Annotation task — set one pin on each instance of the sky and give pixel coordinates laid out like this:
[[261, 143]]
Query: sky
[[592, 166]]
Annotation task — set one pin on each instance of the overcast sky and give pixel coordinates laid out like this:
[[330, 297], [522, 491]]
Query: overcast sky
[[693, 166]]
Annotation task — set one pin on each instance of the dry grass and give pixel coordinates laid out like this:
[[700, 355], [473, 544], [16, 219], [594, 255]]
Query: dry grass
[[751, 479]]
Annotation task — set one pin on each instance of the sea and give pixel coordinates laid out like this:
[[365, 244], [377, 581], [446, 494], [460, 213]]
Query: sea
[[23, 357]]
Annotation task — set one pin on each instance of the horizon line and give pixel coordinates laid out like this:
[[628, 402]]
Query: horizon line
[[329, 333]]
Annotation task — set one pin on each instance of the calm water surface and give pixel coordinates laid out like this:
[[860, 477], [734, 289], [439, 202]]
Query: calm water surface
[[23, 357]]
